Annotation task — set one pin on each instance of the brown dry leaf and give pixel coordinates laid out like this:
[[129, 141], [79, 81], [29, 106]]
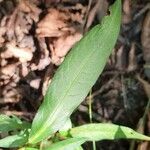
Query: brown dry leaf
[[145, 38], [120, 59], [15, 29], [17, 24], [24, 54], [141, 128], [53, 24], [132, 63], [145, 84], [10, 95], [2, 32], [24, 69], [9, 69], [99, 8], [127, 16], [59, 26], [44, 59], [18, 46], [123, 60], [28, 7], [61, 46]]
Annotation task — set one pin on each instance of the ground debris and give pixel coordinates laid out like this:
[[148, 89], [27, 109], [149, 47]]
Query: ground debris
[[63, 29], [17, 46], [145, 38], [31, 40]]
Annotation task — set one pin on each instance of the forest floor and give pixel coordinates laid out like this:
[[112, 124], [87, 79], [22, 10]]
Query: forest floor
[[36, 35]]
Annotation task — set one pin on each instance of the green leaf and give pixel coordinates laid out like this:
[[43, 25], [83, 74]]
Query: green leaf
[[68, 144], [101, 131], [76, 76], [11, 123], [14, 140], [28, 148], [96, 132], [66, 126]]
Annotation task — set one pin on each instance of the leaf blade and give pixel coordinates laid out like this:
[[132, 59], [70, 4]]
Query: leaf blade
[[8, 124], [103, 131], [14, 140], [68, 144], [70, 82]]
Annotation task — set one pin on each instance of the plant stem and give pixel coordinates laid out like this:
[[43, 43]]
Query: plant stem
[[90, 114]]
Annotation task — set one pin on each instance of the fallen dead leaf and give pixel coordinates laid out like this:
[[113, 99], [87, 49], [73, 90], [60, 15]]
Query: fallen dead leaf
[[127, 7], [61, 46], [145, 39], [58, 25]]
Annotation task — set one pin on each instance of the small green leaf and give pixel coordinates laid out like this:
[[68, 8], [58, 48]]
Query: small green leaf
[[67, 126], [76, 76], [102, 131], [14, 140], [68, 144], [11, 123]]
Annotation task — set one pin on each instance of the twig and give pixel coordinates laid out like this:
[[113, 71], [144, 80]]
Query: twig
[[87, 14], [142, 11], [124, 93]]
